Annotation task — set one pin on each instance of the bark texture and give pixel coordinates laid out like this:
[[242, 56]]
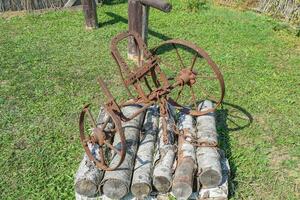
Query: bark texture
[[141, 181], [115, 184], [208, 158], [220, 192], [164, 157], [184, 175]]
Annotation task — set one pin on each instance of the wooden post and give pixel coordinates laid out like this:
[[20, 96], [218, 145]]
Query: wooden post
[[90, 14], [208, 158], [115, 184], [184, 175], [164, 158], [141, 180], [135, 16]]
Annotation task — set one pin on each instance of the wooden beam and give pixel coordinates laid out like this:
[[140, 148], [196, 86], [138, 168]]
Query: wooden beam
[[135, 16]]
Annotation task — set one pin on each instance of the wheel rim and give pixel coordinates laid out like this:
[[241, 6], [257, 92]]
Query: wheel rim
[[180, 55], [101, 137]]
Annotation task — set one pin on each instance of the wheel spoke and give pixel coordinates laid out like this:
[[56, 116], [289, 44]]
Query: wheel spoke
[[194, 61], [179, 57], [179, 92], [208, 77], [168, 65], [113, 148], [193, 96], [105, 123], [91, 118], [147, 84], [206, 93]]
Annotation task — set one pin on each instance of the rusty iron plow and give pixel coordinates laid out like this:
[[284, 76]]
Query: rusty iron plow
[[147, 84]]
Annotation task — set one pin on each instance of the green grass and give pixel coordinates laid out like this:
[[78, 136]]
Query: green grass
[[48, 70]]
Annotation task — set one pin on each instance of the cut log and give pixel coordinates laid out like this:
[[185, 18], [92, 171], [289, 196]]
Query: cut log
[[220, 192], [184, 175], [88, 176], [115, 184], [164, 157], [141, 180], [208, 158]]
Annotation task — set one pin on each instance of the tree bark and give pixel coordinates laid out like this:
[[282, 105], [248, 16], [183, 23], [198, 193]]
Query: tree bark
[[184, 175], [88, 176], [220, 192], [208, 158], [164, 158], [115, 184], [141, 181], [135, 16]]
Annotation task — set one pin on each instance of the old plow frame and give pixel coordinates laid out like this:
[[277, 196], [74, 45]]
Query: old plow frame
[[158, 89]]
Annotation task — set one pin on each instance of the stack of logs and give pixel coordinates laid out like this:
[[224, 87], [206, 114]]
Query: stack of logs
[[182, 167]]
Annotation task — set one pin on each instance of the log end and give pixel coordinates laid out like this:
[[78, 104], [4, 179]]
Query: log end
[[161, 183], [141, 190], [182, 191], [114, 189], [86, 188], [210, 178]]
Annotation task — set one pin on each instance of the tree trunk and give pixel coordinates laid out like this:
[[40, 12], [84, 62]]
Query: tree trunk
[[142, 181], [208, 158], [164, 158], [184, 175], [115, 184]]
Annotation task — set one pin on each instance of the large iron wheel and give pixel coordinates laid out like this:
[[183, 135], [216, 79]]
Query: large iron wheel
[[179, 59]]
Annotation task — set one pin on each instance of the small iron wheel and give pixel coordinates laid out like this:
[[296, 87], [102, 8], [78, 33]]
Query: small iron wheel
[[193, 74], [102, 134]]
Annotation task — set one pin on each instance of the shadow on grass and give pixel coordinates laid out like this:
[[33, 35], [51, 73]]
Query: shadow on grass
[[231, 118], [117, 18]]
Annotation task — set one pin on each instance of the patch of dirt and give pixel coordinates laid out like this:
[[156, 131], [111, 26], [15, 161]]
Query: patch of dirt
[[11, 14], [277, 157]]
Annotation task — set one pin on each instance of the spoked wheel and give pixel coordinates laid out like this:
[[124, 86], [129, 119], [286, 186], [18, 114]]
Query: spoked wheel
[[102, 134], [193, 74]]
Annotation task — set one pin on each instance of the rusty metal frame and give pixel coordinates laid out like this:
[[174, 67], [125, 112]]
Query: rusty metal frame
[[148, 65]]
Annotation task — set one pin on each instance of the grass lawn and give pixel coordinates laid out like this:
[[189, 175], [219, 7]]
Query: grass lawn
[[48, 70]]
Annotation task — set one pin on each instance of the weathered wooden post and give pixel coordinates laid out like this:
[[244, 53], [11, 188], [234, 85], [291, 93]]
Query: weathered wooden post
[[141, 181], [208, 157], [138, 13], [116, 184], [90, 14], [186, 161]]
